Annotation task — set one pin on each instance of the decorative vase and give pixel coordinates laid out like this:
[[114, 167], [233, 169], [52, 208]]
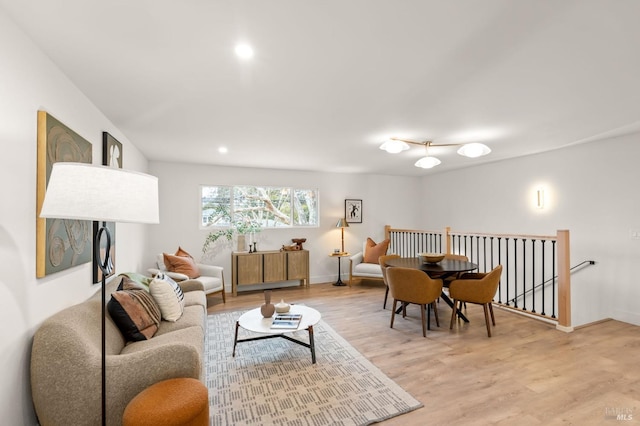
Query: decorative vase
[[242, 243], [268, 308]]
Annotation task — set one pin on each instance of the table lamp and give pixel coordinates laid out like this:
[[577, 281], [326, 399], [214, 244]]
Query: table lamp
[[83, 191], [342, 223]]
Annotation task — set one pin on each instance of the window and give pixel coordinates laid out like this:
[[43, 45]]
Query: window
[[269, 207]]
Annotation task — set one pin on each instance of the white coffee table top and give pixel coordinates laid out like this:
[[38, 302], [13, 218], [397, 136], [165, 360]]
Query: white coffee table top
[[254, 321]]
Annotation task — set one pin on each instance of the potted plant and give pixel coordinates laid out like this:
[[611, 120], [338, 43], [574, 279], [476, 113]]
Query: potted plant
[[240, 227]]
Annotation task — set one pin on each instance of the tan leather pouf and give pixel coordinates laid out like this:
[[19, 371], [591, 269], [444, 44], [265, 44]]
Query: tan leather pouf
[[172, 402]]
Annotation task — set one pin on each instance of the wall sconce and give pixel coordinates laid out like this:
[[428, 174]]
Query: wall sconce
[[540, 198], [471, 150]]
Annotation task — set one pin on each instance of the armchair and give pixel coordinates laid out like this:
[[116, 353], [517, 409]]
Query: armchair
[[365, 264], [211, 277], [409, 285], [478, 288]]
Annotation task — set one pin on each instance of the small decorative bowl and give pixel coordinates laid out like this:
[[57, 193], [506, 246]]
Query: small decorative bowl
[[431, 257], [282, 307]]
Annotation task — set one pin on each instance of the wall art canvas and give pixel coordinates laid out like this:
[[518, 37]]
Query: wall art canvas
[[60, 243], [112, 157], [353, 211]]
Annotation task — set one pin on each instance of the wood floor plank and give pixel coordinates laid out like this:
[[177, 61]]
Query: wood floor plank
[[527, 372]]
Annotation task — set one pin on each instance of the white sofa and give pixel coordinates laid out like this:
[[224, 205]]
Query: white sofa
[[212, 277]]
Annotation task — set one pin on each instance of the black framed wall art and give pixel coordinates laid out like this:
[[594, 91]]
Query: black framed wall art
[[353, 210]]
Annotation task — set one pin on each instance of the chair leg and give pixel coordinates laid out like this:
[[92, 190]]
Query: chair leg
[[428, 309], [435, 313], [386, 294], [224, 298], [424, 330], [493, 319], [404, 309], [393, 312], [486, 319], [453, 313]]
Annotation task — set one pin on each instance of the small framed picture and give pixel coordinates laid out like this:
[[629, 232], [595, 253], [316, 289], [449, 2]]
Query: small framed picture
[[353, 211]]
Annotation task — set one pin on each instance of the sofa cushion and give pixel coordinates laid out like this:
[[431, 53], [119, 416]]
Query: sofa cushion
[[168, 296], [373, 251], [135, 313], [193, 316], [211, 284], [181, 264], [367, 270]]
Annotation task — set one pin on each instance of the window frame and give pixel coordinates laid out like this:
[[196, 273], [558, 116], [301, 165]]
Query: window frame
[[292, 190]]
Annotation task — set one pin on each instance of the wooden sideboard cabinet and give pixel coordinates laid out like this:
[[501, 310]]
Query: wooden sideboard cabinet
[[269, 267]]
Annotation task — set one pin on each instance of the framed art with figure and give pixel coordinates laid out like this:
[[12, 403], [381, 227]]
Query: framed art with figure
[[353, 211], [112, 157]]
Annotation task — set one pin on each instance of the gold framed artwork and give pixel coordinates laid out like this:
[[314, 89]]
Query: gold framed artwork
[[60, 243], [112, 157]]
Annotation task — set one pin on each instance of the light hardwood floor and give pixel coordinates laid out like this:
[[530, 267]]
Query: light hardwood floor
[[528, 373]]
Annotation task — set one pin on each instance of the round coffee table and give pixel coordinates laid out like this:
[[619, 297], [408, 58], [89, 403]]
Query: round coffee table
[[255, 322]]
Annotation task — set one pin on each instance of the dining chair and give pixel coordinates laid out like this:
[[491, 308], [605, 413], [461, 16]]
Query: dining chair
[[383, 266], [478, 288], [409, 285]]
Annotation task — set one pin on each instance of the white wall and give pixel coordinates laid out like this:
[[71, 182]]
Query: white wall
[[385, 199], [29, 82], [591, 190]]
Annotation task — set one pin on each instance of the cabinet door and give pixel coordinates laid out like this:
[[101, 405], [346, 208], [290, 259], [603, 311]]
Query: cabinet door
[[297, 265], [274, 267], [249, 269]]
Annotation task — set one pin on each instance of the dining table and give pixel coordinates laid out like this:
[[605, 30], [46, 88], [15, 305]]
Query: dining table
[[439, 270]]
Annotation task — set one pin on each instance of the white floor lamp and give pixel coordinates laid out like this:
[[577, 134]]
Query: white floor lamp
[[87, 192]]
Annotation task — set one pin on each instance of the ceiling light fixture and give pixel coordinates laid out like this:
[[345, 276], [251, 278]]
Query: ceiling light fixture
[[474, 150], [471, 150], [394, 146], [244, 51]]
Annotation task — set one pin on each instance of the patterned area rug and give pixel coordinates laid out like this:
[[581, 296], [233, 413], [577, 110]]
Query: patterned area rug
[[273, 382]]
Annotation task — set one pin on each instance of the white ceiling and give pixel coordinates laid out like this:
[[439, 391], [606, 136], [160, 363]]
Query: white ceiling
[[332, 79]]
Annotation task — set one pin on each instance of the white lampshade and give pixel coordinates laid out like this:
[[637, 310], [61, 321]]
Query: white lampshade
[[89, 192], [427, 162], [393, 146], [473, 150]]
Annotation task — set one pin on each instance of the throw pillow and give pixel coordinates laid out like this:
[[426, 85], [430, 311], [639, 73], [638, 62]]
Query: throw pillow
[[182, 264], [183, 253], [373, 251], [169, 297], [141, 280], [135, 313], [136, 283]]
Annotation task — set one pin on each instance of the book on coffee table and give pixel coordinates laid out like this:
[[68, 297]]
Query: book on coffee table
[[286, 321]]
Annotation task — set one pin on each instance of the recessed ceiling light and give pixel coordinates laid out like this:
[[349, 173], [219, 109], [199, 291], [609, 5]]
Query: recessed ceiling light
[[244, 51], [223, 150]]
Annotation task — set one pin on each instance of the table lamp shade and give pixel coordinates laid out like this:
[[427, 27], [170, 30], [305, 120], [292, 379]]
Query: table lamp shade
[[89, 192], [342, 223]]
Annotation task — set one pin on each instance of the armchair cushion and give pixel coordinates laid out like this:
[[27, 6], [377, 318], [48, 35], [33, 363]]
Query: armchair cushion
[[373, 251], [181, 264]]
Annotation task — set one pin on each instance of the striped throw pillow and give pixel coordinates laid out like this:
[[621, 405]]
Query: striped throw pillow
[[169, 297]]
